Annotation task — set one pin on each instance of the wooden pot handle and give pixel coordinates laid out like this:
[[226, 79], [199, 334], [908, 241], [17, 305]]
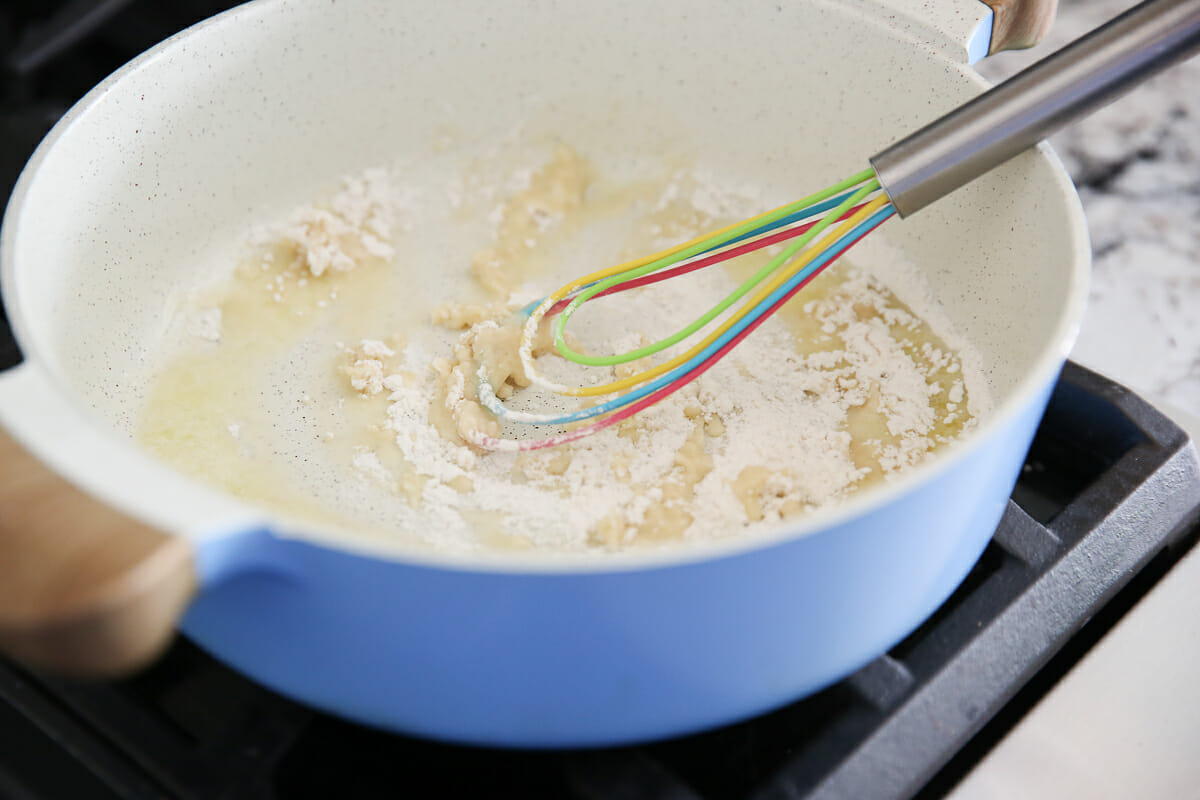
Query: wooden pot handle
[[1017, 24], [84, 589]]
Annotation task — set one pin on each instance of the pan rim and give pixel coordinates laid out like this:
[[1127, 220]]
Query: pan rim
[[1041, 373]]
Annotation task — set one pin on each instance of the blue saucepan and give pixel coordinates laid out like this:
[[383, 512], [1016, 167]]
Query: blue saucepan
[[105, 551]]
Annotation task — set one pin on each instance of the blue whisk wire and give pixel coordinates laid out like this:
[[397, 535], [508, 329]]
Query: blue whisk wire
[[493, 404]]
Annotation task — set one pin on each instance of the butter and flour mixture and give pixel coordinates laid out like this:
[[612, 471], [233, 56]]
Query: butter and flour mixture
[[332, 378]]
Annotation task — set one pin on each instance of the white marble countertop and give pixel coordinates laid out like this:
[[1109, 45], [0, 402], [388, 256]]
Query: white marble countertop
[[1137, 166], [1125, 722]]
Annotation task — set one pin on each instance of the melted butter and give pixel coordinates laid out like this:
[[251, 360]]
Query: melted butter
[[276, 373], [867, 424], [243, 415]]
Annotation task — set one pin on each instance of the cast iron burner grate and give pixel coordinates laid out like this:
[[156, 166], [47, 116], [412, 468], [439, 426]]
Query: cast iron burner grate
[[1107, 502]]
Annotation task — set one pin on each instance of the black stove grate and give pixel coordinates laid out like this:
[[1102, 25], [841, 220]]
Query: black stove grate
[[1110, 486]]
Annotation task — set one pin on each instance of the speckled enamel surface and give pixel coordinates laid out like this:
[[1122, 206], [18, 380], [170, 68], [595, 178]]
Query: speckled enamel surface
[[261, 108]]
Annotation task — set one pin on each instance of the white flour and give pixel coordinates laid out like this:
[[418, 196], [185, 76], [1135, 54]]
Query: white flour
[[849, 389], [771, 408], [358, 221]]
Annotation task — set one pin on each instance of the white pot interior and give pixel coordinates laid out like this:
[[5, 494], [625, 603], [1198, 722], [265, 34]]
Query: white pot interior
[[258, 110]]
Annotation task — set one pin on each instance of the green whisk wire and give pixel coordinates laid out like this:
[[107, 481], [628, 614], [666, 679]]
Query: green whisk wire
[[707, 244]]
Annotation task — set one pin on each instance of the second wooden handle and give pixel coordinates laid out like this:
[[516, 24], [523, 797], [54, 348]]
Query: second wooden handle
[[1017, 24]]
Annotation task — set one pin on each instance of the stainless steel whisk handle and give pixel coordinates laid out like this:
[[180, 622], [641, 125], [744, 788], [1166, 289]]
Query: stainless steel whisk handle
[[1076, 80]]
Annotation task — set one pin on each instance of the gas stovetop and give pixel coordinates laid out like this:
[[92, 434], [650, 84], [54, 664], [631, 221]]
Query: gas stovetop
[[1106, 504]]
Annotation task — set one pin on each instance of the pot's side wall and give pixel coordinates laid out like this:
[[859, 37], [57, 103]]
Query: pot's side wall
[[535, 660]]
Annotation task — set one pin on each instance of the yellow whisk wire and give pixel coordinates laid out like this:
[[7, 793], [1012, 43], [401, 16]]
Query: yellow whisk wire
[[608, 272], [696, 243], [765, 291]]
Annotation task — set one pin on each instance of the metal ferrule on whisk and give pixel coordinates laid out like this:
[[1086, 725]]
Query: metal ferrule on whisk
[[1002, 122]]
